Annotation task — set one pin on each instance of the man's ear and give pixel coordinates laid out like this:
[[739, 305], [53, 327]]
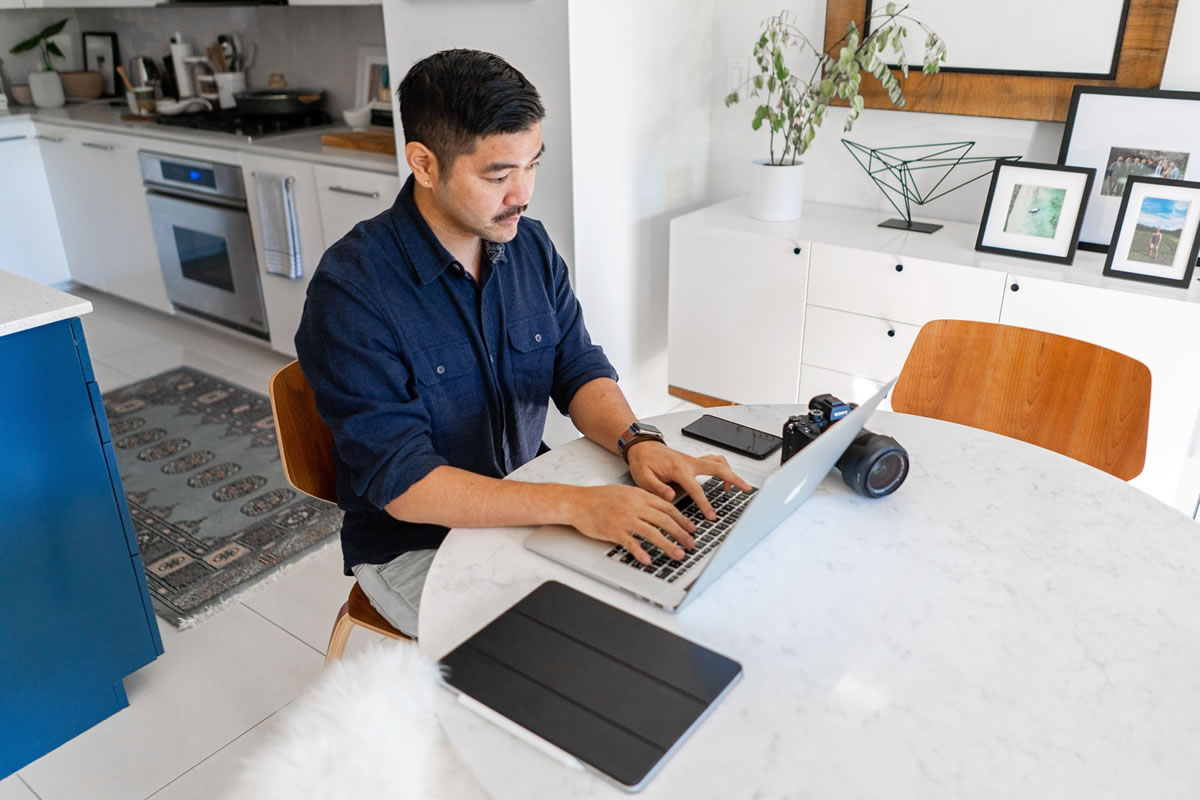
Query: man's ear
[[422, 162]]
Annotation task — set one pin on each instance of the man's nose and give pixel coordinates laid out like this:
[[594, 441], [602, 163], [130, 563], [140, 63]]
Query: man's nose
[[522, 190]]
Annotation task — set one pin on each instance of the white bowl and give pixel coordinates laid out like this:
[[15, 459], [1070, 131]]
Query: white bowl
[[357, 118]]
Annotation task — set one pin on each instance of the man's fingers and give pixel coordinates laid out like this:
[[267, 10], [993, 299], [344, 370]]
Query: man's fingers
[[696, 492], [655, 537], [632, 545], [653, 485], [671, 527], [725, 473], [674, 513]]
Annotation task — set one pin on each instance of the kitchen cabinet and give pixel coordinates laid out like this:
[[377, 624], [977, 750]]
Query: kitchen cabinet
[[335, 2], [89, 3], [30, 245], [103, 218], [75, 613], [348, 196], [283, 297], [12, 4]]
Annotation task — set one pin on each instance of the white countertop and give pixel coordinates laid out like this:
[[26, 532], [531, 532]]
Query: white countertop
[[1010, 623], [304, 145], [25, 304]]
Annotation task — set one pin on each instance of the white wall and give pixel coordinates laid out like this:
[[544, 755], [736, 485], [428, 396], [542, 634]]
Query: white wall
[[832, 175], [640, 79], [18, 25], [532, 36]]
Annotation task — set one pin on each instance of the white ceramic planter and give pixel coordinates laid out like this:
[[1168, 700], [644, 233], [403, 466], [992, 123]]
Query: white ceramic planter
[[47, 89], [776, 192]]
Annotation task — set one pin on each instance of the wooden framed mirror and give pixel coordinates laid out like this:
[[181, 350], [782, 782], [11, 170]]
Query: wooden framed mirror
[[1135, 32]]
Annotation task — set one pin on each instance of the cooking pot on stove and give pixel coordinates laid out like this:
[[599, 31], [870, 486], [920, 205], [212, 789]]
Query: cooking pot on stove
[[279, 101]]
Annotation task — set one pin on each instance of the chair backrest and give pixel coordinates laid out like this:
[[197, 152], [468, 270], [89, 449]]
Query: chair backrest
[[1076, 398], [305, 442]]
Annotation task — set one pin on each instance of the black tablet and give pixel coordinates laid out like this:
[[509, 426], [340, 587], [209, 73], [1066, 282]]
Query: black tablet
[[617, 693]]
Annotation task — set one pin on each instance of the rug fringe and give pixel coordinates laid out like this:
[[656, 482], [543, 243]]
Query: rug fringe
[[252, 587]]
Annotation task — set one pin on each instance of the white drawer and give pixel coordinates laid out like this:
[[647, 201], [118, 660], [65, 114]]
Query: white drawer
[[855, 344], [901, 289], [851, 388], [348, 196]]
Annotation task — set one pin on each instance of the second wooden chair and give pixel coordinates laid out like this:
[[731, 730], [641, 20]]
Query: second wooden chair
[[1076, 398]]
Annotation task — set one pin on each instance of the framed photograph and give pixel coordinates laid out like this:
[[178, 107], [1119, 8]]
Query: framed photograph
[[373, 87], [1156, 237], [1035, 210], [1125, 134], [101, 54]]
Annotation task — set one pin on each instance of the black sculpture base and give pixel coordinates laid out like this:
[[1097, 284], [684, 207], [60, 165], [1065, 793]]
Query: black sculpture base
[[915, 227]]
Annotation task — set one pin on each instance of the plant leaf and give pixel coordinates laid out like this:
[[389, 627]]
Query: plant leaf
[[53, 30], [731, 98], [54, 50]]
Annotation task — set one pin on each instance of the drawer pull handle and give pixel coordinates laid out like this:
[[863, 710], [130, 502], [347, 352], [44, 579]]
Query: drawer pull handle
[[891, 332], [96, 146], [1016, 287], [355, 192], [12, 138], [899, 268], [45, 138], [796, 250]]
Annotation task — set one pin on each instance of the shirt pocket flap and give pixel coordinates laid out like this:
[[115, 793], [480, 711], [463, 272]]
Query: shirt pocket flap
[[445, 362], [533, 333]]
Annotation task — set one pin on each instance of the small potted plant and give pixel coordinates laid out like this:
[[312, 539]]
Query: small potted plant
[[46, 86], [793, 107]]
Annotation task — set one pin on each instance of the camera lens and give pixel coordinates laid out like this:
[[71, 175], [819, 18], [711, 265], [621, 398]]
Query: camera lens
[[874, 465]]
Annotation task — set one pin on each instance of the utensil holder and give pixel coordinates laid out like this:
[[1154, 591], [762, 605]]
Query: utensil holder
[[229, 84]]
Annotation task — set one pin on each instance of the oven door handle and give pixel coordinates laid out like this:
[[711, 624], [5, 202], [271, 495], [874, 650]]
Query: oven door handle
[[195, 197]]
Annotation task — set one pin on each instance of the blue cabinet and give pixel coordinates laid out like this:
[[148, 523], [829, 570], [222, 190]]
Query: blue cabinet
[[75, 614]]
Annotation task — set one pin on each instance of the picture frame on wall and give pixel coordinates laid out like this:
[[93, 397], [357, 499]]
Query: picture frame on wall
[[1157, 236], [101, 54], [1035, 210], [1127, 133]]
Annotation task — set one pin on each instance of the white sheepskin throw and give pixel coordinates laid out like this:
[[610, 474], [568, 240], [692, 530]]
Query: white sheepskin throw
[[366, 729]]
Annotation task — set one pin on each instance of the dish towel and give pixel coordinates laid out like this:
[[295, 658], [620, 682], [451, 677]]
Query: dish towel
[[280, 233]]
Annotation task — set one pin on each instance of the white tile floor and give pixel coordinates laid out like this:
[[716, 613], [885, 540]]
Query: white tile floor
[[199, 709]]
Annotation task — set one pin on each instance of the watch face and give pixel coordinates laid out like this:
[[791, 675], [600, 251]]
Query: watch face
[[645, 427]]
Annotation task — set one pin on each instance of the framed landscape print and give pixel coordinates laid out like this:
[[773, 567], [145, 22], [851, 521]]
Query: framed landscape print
[[1125, 134], [1034, 210], [1156, 237]]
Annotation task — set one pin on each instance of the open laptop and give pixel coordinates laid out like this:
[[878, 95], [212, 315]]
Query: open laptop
[[744, 519]]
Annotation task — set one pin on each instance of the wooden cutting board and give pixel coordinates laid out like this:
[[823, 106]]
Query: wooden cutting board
[[371, 141]]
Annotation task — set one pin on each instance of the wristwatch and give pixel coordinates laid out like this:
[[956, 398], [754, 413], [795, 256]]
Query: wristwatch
[[638, 432]]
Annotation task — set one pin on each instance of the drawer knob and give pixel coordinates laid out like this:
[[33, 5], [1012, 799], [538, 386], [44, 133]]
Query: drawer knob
[[899, 268], [1016, 287], [891, 332], [796, 250]]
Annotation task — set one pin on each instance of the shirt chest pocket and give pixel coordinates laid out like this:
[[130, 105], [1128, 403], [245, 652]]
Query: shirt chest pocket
[[533, 343], [445, 363]]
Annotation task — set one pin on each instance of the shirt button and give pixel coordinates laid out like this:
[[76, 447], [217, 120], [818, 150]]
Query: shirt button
[[537, 337], [441, 370]]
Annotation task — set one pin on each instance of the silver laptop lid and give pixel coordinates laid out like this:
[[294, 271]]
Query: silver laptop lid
[[785, 490]]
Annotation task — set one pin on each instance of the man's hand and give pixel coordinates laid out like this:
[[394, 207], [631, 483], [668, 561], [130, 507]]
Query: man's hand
[[654, 465], [615, 513]]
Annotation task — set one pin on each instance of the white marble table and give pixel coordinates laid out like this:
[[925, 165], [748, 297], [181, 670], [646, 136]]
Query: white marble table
[[1010, 623]]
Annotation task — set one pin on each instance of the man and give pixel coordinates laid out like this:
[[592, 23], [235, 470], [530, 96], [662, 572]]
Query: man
[[435, 334], [1155, 241]]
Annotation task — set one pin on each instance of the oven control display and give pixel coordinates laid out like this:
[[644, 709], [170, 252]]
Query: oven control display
[[186, 173]]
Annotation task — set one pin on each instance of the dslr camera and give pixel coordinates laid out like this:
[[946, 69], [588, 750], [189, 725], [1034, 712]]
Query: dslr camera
[[873, 465]]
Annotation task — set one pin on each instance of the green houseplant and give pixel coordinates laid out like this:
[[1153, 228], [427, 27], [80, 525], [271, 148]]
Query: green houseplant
[[46, 86], [792, 106]]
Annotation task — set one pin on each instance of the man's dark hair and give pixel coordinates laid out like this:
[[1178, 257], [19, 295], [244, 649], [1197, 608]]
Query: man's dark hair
[[451, 98]]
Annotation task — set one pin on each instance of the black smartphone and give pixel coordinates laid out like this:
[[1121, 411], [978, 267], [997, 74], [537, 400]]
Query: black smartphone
[[732, 436]]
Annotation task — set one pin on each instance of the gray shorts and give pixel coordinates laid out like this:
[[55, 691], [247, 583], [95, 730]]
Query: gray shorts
[[395, 588]]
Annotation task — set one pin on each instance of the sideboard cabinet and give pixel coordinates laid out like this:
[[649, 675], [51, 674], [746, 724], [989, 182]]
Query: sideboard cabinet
[[778, 312]]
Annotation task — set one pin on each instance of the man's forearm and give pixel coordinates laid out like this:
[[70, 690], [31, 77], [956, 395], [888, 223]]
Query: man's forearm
[[601, 413], [457, 498]]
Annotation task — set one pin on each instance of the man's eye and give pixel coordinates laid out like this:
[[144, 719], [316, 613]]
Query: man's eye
[[535, 165], [501, 179]]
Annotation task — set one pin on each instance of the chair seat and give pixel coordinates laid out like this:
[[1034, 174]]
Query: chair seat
[[359, 607]]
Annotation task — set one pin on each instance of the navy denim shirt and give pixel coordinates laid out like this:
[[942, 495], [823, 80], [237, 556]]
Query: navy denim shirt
[[414, 364]]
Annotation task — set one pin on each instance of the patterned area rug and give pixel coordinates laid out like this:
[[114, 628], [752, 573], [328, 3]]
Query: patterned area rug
[[211, 507]]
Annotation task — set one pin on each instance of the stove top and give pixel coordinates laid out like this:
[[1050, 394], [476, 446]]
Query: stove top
[[236, 122]]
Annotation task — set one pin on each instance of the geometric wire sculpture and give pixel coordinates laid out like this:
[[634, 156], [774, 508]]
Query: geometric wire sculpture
[[899, 176]]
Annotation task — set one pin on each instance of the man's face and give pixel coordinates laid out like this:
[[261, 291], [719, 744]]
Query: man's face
[[487, 190]]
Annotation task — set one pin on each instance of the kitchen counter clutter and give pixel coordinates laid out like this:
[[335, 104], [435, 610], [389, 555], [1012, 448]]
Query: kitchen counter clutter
[[76, 617], [305, 144]]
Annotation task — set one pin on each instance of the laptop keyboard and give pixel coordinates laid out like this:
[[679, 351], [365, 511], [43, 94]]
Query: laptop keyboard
[[709, 533]]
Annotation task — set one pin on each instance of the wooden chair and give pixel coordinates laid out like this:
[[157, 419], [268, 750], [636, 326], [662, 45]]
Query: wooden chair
[[1072, 397], [305, 446]]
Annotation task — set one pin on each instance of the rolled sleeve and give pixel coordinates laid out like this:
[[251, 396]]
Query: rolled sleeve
[[578, 360], [363, 384]]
